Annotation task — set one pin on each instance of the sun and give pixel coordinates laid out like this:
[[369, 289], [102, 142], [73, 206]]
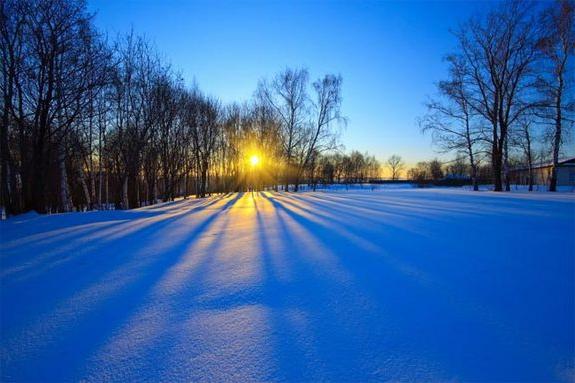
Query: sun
[[254, 160]]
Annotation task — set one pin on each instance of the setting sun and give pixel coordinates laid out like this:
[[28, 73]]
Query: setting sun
[[254, 160]]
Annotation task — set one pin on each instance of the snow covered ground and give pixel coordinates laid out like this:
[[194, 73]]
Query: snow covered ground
[[406, 284]]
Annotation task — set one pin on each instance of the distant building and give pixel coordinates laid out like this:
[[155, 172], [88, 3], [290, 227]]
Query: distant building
[[542, 174]]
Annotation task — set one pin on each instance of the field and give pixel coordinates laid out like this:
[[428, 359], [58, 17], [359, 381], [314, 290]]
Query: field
[[406, 284]]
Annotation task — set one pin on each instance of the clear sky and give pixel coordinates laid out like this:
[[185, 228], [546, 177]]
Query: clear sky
[[388, 53]]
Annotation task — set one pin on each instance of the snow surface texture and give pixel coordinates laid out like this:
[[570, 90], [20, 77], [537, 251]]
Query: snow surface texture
[[359, 286]]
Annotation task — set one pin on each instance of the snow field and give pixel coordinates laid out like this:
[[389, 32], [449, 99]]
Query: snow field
[[359, 285]]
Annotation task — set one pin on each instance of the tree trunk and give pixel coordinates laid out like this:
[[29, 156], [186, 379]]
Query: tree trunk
[[474, 178], [530, 176], [5, 196], [556, 144], [529, 157], [203, 182], [496, 167], [85, 190], [138, 198], [65, 199], [35, 195], [107, 191], [473, 171], [471, 159], [92, 190], [186, 191], [152, 190], [100, 183], [167, 187], [506, 166], [133, 189], [125, 202]]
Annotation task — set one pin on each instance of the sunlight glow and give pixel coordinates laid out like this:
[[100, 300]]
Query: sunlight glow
[[254, 160]]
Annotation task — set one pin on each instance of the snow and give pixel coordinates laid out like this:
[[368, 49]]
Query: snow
[[360, 285], [525, 188]]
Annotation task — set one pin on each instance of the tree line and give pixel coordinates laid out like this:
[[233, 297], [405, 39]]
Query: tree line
[[89, 123], [509, 91]]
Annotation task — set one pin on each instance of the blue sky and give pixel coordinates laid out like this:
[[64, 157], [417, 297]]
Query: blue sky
[[389, 54]]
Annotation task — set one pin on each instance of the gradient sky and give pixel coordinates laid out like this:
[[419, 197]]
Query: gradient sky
[[389, 54]]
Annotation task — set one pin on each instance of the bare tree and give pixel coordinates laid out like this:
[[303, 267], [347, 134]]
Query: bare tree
[[395, 165], [557, 44], [86, 123], [458, 167], [436, 169], [452, 122], [135, 118], [171, 138], [12, 26], [426, 171], [286, 95], [321, 135], [523, 138], [497, 53], [52, 64], [307, 126], [202, 116]]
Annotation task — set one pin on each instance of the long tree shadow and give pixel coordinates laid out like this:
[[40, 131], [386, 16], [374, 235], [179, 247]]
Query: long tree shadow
[[294, 344], [203, 281], [363, 302], [408, 310], [265, 299], [275, 287], [30, 251], [132, 271], [187, 293], [356, 217], [341, 301], [371, 235], [144, 333], [34, 252], [453, 201], [413, 207]]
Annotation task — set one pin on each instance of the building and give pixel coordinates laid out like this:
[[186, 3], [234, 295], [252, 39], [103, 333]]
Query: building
[[542, 174]]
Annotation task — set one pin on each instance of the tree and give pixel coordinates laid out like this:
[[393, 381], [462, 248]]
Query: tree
[[452, 122], [172, 139], [135, 74], [395, 165], [419, 173], [12, 26], [436, 170], [52, 65], [557, 44], [458, 168], [202, 116], [497, 53], [86, 122], [524, 139], [286, 95], [321, 136], [307, 126]]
